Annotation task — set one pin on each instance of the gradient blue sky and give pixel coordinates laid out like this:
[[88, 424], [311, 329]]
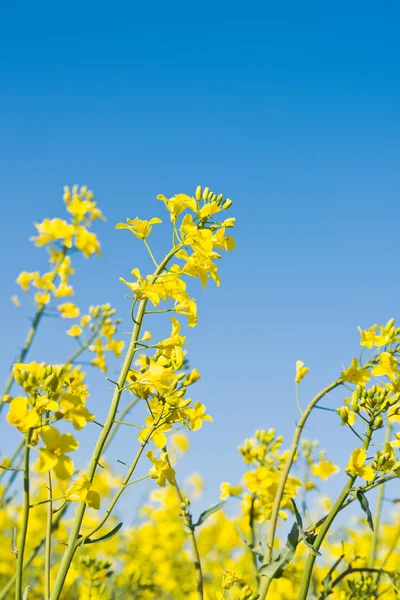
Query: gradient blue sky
[[291, 109]]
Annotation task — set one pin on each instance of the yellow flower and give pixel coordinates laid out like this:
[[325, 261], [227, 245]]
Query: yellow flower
[[348, 417], [115, 346], [197, 416], [86, 242], [51, 230], [178, 204], [161, 470], [63, 290], [24, 279], [385, 460], [388, 366], [74, 331], [368, 337], [301, 371], [141, 229], [208, 210], [85, 319], [72, 408], [21, 415], [324, 469], [355, 375], [42, 298], [80, 491], [356, 466], [68, 310], [228, 490], [53, 455]]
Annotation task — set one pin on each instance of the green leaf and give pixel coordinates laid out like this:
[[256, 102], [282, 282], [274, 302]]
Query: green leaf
[[106, 536], [210, 511], [299, 520], [275, 569], [361, 497], [307, 539]]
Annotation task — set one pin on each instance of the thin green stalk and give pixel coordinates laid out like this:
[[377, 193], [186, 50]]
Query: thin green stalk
[[99, 447], [47, 552], [308, 569], [25, 520], [4, 593], [378, 510], [193, 543], [266, 581]]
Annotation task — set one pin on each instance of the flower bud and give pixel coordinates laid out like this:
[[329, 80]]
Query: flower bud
[[205, 193], [354, 405], [227, 204], [199, 192]]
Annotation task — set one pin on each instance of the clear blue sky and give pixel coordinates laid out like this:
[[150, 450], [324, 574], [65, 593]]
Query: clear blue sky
[[291, 109]]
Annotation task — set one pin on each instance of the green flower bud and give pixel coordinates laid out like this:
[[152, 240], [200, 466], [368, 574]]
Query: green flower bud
[[227, 204]]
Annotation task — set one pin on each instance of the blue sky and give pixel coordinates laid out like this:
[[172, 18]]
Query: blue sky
[[290, 109]]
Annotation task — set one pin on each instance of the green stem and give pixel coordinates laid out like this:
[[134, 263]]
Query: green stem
[[266, 581], [101, 441], [13, 457], [378, 510], [47, 552], [25, 520], [193, 543], [308, 569]]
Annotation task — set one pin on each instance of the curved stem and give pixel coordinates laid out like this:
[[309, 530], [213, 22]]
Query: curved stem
[[266, 581], [99, 447], [25, 520]]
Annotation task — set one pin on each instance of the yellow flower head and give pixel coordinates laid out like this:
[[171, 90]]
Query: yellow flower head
[[301, 371], [80, 491], [229, 490], [141, 229], [356, 466], [354, 374], [68, 310]]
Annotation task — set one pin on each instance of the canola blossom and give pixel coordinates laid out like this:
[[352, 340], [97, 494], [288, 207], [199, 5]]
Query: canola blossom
[[273, 533]]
